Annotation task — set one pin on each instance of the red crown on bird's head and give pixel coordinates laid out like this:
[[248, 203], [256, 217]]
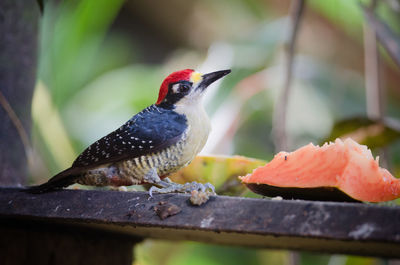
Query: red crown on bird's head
[[183, 75]]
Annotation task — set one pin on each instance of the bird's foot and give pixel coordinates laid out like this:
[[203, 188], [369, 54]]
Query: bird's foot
[[167, 186]]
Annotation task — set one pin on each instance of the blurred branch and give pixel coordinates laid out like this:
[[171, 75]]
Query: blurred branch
[[35, 163], [280, 114], [373, 84], [389, 40], [374, 90], [41, 5], [23, 135]]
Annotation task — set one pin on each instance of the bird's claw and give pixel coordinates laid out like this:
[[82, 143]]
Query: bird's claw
[[168, 187]]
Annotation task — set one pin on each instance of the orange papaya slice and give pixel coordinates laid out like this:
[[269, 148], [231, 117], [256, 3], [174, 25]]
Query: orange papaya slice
[[339, 171]]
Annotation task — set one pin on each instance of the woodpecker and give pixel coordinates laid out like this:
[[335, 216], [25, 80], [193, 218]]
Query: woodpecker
[[154, 143]]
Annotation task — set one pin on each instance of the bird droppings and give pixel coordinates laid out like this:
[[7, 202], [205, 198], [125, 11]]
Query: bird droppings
[[133, 199], [362, 231], [277, 198], [57, 207], [205, 223], [315, 218], [165, 209], [199, 197], [288, 218]]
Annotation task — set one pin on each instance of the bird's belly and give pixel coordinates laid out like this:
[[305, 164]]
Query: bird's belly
[[132, 171]]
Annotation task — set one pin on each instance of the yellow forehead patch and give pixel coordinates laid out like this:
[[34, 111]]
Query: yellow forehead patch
[[195, 77]]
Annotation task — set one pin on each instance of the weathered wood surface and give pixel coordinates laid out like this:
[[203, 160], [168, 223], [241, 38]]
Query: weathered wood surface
[[348, 228]]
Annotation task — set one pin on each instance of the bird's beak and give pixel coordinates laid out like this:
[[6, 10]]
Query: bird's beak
[[210, 78]]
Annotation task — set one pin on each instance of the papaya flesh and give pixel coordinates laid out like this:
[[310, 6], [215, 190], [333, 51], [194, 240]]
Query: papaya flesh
[[339, 171]]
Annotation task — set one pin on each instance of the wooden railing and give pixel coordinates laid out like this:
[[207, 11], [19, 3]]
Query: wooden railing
[[348, 228]]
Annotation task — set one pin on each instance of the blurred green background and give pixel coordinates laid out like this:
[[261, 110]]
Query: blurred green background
[[102, 61]]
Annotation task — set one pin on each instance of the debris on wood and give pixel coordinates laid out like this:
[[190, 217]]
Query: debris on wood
[[166, 209], [200, 197]]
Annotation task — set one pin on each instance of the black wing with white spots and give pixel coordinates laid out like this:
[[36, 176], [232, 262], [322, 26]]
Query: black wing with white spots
[[147, 132]]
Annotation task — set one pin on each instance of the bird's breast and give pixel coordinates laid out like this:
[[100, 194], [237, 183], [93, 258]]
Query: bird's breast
[[198, 129]]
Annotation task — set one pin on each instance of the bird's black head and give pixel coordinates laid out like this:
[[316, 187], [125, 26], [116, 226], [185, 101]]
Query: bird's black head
[[186, 87]]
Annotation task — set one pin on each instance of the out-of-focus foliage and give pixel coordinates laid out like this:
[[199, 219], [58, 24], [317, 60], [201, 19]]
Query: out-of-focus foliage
[[51, 129], [71, 52], [178, 253], [374, 134], [103, 61], [184, 253]]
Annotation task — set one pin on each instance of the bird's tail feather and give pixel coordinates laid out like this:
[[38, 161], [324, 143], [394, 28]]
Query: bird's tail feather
[[59, 181]]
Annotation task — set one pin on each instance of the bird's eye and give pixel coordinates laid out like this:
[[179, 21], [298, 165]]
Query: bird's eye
[[184, 88]]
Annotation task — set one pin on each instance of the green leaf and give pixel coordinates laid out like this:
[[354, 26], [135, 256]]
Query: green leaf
[[72, 33], [373, 133]]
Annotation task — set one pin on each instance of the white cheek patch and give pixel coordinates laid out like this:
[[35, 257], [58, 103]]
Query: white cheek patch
[[175, 88]]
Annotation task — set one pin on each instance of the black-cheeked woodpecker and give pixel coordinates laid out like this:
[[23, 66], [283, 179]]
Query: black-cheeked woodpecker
[[154, 143]]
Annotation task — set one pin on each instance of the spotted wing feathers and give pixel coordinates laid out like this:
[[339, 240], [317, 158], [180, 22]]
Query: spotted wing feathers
[[147, 132]]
